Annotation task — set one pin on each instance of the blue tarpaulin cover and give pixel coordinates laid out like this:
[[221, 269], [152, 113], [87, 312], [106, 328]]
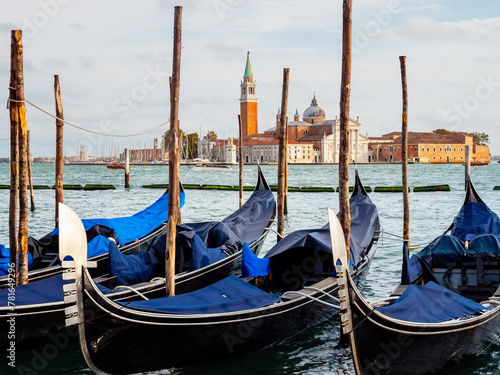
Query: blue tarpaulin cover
[[228, 295], [130, 228], [364, 216], [5, 260], [430, 303], [200, 244], [252, 266], [43, 291], [475, 219], [447, 250]]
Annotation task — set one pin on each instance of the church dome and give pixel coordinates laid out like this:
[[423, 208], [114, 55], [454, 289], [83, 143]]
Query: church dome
[[314, 111]]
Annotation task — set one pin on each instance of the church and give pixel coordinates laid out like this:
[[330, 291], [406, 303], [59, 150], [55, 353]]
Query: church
[[314, 139]]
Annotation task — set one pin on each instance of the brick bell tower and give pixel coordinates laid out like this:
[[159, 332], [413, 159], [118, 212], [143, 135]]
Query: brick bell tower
[[248, 102]]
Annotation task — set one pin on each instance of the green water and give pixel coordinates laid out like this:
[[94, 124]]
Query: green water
[[315, 351]]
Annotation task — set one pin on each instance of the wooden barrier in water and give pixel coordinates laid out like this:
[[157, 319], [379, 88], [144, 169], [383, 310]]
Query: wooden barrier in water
[[98, 187], [389, 189], [417, 189], [351, 189]]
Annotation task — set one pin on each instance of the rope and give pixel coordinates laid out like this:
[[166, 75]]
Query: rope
[[322, 291], [314, 299], [117, 288], [83, 129]]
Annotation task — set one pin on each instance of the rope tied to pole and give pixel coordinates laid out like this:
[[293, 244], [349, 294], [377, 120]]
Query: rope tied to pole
[[79, 127]]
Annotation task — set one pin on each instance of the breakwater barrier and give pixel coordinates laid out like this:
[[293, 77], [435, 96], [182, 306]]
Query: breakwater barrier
[[70, 187], [304, 189]]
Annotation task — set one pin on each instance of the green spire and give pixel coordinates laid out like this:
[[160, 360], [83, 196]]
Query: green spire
[[248, 68]]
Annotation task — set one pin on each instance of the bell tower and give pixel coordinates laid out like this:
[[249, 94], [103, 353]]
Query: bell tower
[[248, 102]]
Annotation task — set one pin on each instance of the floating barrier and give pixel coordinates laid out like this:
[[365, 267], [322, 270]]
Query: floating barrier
[[351, 188], [71, 187], [389, 189], [316, 189], [34, 187], [98, 187], [431, 188]]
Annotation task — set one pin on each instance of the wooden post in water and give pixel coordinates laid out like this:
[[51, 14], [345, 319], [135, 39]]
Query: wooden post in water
[[240, 155], [30, 179], [404, 154], [16, 110], [127, 168], [59, 146], [467, 164], [22, 235], [174, 159], [282, 156], [345, 88], [285, 129]]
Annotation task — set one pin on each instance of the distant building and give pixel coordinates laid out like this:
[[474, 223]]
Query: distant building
[[83, 157], [432, 147]]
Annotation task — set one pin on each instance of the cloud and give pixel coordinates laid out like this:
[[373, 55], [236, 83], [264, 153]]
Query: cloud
[[427, 29]]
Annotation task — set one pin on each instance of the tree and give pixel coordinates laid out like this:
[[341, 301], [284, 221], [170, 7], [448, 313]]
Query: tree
[[192, 145], [443, 131], [211, 136], [481, 138]]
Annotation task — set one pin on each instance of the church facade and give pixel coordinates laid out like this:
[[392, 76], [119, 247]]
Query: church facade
[[314, 139]]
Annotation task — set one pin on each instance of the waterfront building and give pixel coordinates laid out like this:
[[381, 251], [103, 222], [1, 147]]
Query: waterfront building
[[427, 147]]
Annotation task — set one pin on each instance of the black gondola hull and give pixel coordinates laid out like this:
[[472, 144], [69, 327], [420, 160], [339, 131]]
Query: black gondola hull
[[389, 346], [166, 341]]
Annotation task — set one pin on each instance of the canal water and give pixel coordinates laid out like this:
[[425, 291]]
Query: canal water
[[316, 350]]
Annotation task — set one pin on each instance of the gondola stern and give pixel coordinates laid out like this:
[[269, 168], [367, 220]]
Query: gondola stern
[[471, 193], [73, 244], [261, 180], [346, 285], [359, 189]]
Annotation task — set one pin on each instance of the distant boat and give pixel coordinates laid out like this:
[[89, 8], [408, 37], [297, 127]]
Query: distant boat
[[116, 166], [478, 163], [211, 167]]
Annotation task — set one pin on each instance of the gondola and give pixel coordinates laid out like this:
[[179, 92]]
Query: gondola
[[132, 234], [39, 306], [446, 307], [282, 294]]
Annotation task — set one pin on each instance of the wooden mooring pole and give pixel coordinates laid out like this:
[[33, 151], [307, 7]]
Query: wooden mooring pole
[[282, 161], [16, 107], [240, 155], [19, 112], [467, 164], [127, 168], [174, 159], [59, 146], [285, 129], [404, 154], [345, 88], [30, 178]]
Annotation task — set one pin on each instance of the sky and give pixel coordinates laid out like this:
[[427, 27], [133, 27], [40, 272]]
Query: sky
[[114, 59]]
